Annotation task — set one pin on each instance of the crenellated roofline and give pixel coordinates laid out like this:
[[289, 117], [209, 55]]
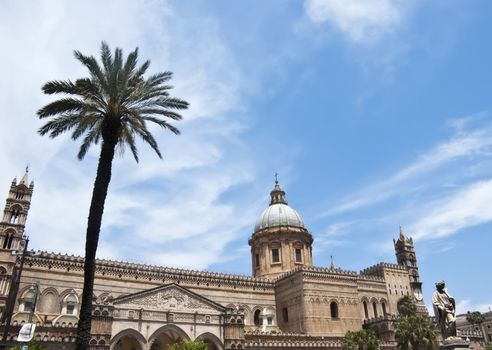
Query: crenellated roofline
[[117, 268]]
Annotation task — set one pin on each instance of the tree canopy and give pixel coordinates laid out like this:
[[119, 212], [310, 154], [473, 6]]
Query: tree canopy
[[360, 340], [188, 345]]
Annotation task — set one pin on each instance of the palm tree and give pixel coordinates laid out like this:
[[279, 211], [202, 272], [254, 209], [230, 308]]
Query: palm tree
[[406, 306], [415, 333], [475, 318], [113, 105], [360, 340]]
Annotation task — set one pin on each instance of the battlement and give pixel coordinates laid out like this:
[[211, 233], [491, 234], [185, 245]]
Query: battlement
[[324, 272], [107, 267], [378, 269]]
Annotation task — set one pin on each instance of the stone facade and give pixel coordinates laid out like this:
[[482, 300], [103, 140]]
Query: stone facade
[[287, 302]]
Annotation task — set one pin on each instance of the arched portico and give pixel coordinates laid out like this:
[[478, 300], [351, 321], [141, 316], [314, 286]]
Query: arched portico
[[128, 339], [213, 343], [165, 336]]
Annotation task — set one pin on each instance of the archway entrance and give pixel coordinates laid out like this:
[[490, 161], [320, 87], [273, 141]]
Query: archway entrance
[[167, 336], [128, 342]]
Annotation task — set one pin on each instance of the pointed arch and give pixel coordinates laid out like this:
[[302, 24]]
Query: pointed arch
[[49, 301], [115, 343], [212, 341], [171, 331]]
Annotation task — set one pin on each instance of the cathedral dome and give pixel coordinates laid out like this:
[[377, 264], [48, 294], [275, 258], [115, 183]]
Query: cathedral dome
[[278, 213]]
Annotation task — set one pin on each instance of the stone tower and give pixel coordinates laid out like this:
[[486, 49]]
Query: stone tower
[[405, 256], [12, 228], [280, 241]]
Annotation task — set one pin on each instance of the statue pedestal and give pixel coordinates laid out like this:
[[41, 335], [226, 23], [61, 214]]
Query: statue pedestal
[[454, 343]]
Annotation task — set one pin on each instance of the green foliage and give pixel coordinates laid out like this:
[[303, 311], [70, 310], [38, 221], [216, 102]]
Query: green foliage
[[415, 332], [360, 340], [488, 346], [475, 317], [188, 345], [115, 102], [30, 346], [406, 306]]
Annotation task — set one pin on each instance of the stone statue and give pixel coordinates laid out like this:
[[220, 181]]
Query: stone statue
[[444, 310]]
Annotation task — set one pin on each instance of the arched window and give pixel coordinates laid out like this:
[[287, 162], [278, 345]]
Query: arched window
[[375, 309], [366, 311], [257, 317], [69, 304], [383, 305], [334, 309], [7, 241], [285, 315], [14, 215], [27, 301]]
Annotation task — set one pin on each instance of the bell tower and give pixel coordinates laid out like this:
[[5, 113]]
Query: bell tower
[[15, 213], [405, 256], [12, 227]]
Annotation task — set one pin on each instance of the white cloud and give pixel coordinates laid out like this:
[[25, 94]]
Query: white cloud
[[461, 146], [155, 201], [469, 206], [465, 305], [360, 20]]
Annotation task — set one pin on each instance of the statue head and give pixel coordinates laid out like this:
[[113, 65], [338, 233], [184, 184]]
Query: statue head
[[440, 285]]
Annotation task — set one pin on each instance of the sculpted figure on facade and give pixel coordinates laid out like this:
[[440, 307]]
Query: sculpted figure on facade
[[444, 310]]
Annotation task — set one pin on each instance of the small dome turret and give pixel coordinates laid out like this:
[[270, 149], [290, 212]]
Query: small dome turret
[[280, 241], [278, 213]]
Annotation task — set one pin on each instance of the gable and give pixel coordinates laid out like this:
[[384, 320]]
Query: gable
[[172, 298]]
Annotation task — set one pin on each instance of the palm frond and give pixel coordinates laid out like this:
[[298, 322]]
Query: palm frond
[[61, 106], [91, 63], [59, 86], [163, 123], [91, 137], [59, 125]]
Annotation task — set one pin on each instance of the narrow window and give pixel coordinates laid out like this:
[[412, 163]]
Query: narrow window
[[70, 309], [257, 260], [366, 311], [257, 318], [383, 305], [334, 309], [275, 255], [298, 255], [375, 308], [269, 320], [6, 241], [285, 314]]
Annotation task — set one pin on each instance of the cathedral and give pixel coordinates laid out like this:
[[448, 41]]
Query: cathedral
[[287, 302]]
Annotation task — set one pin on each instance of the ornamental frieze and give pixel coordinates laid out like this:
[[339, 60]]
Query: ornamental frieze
[[169, 299]]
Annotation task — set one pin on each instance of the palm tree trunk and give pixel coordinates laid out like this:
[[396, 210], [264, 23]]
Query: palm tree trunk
[[94, 220]]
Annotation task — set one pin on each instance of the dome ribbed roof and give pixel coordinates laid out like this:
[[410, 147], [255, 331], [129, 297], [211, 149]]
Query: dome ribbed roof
[[278, 213]]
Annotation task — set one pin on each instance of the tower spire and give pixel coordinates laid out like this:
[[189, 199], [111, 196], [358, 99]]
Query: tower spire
[[332, 264], [277, 194], [24, 180]]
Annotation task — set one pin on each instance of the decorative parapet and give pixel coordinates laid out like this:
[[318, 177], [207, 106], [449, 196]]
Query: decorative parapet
[[118, 269], [378, 269], [320, 272], [255, 339], [379, 319]]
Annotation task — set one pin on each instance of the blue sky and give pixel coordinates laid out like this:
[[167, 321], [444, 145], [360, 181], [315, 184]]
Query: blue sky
[[375, 114]]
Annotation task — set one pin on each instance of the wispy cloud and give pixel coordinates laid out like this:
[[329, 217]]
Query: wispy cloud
[[465, 305], [361, 21], [471, 205], [464, 144]]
